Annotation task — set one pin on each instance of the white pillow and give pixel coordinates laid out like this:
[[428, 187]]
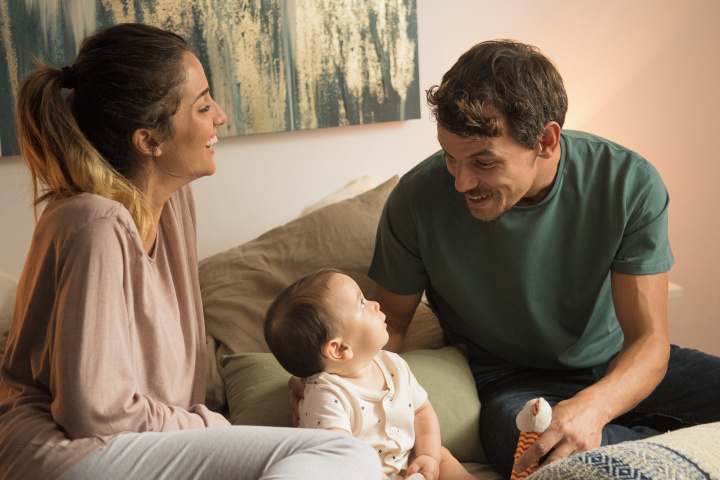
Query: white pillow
[[355, 187]]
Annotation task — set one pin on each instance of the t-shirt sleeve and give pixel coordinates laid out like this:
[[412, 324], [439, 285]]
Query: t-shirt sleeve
[[323, 408], [397, 263], [645, 246], [94, 366]]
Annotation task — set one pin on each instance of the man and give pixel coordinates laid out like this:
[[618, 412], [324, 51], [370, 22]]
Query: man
[[545, 252]]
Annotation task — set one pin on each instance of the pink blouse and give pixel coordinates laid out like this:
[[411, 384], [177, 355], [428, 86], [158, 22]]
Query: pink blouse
[[105, 339]]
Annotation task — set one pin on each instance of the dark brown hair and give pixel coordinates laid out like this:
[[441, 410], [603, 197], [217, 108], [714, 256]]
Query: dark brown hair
[[513, 78], [299, 322], [124, 77]]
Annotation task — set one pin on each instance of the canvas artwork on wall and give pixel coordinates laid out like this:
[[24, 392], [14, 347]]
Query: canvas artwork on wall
[[273, 65]]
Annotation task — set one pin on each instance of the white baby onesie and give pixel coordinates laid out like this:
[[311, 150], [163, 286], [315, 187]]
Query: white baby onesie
[[384, 420]]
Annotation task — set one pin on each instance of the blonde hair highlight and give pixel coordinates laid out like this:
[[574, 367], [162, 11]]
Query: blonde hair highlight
[[62, 161]]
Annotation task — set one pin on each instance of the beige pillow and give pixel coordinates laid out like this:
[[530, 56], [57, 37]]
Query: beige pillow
[[257, 393], [8, 290], [3, 345], [354, 188], [239, 284], [424, 332]]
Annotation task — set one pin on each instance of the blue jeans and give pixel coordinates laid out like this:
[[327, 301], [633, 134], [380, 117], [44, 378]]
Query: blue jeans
[[688, 395]]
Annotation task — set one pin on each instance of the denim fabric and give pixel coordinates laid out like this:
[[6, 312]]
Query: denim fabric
[[688, 395], [237, 452]]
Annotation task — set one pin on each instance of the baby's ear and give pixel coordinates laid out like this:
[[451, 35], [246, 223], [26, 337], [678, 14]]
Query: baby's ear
[[337, 351]]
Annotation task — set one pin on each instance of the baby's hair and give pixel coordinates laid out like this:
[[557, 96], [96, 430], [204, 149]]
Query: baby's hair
[[300, 321]]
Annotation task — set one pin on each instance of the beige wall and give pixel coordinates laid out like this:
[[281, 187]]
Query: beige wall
[[644, 73]]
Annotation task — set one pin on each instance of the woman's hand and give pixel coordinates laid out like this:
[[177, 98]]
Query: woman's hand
[[297, 387]]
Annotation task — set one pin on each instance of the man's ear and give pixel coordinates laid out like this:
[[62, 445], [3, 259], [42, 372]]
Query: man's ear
[[144, 143], [335, 350], [550, 141]]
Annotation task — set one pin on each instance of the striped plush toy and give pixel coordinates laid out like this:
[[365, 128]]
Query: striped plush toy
[[532, 421]]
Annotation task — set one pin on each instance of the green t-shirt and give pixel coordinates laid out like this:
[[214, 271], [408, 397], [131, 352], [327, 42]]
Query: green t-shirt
[[533, 287]]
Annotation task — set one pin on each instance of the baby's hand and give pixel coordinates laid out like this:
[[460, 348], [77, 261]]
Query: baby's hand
[[425, 465]]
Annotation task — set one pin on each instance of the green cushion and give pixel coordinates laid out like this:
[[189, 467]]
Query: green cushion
[[257, 389], [257, 393], [445, 375]]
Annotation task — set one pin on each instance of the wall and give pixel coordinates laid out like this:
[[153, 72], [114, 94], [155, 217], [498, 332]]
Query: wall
[[642, 73]]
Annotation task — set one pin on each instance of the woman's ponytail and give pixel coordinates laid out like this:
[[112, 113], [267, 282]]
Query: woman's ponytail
[[61, 160], [124, 78]]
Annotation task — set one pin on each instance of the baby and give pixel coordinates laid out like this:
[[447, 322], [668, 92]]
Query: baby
[[323, 329]]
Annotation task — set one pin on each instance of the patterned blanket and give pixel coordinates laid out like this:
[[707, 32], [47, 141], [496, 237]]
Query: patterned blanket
[[687, 454]]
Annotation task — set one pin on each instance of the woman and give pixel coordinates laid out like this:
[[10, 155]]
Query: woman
[[104, 373]]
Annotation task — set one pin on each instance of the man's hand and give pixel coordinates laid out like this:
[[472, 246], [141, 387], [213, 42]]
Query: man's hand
[[297, 388], [575, 428], [427, 466], [641, 308]]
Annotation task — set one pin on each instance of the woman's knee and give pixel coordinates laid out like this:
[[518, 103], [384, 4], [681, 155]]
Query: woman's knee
[[335, 452]]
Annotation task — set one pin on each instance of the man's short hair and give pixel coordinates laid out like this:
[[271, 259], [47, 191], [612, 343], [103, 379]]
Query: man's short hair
[[514, 79], [299, 322]]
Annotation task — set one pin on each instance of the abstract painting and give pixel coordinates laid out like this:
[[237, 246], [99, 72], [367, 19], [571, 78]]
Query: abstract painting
[[273, 65]]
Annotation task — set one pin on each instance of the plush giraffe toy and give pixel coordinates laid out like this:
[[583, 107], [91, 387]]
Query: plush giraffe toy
[[532, 421]]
